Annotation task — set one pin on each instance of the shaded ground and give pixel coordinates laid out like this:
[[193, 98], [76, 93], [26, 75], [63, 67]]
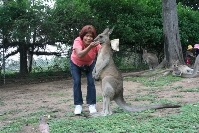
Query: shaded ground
[[57, 96]]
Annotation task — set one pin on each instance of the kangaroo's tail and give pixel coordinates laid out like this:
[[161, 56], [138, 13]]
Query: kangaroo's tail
[[121, 102], [190, 75]]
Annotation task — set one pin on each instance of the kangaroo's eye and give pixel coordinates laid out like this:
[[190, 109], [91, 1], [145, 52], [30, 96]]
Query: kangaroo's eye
[[100, 36]]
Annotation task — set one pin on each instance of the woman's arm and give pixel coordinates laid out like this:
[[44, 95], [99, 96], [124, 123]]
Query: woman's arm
[[81, 53]]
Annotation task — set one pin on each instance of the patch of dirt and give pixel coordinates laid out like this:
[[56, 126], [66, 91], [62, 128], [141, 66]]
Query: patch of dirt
[[57, 96]]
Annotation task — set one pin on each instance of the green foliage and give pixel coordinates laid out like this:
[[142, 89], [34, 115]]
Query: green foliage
[[69, 17], [133, 25], [188, 25], [193, 4], [138, 23]]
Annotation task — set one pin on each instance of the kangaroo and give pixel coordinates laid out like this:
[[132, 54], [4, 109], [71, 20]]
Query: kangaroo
[[150, 58], [111, 79], [195, 70], [43, 126], [179, 70]]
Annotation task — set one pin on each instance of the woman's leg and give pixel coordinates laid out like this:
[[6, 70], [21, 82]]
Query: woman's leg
[[91, 90], [76, 75]]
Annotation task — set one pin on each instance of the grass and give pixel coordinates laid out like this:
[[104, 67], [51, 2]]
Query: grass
[[186, 119], [195, 89], [57, 94], [99, 98], [177, 95], [1, 102], [154, 82], [146, 97], [62, 101], [176, 87]]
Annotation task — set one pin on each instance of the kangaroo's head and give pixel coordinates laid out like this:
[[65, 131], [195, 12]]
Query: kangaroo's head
[[175, 64], [144, 50], [103, 38]]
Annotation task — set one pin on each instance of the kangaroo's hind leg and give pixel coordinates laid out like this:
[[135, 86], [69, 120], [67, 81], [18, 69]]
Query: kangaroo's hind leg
[[108, 93]]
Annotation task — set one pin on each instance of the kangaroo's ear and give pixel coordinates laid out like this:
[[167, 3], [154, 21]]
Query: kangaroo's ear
[[110, 31], [106, 31]]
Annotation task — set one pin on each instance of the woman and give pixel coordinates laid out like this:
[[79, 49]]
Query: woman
[[189, 55], [83, 60], [196, 47]]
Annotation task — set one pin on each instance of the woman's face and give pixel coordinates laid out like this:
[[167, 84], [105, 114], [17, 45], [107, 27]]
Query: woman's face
[[87, 39]]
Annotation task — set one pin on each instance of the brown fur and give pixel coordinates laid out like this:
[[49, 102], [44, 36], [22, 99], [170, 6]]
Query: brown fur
[[112, 81], [179, 70], [150, 58], [43, 126]]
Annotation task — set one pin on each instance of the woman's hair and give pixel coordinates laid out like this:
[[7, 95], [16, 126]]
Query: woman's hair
[[87, 29]]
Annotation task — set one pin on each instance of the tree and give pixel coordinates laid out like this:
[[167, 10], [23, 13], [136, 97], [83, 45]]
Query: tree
[[194, 4], [172, 44], [188, 25], [139, 23], [21, 24], [70, 16]]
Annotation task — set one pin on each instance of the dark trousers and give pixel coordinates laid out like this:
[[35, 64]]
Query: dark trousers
[[77, 92], [197, 52]]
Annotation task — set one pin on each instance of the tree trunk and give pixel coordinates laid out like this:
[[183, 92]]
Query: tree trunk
[[172, 44], [30, 58], [23, 59]]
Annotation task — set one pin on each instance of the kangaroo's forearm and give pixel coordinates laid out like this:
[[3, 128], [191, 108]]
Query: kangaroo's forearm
[[102, 66]]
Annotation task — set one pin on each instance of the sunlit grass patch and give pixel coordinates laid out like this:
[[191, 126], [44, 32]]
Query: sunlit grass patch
[[3, 117], [26, 102], [195, 89], [12, 111], [69, 114], [1, 102], [42, 107], [177, 96], [152, 88], [99, 98], [153, 82], [60, 94], [176, 87], [146, 97], [120, 121], [16, 123], [141, 122], [62, 101]]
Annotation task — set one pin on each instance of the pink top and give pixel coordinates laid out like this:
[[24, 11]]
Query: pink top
[[88, 58], [196, 46]]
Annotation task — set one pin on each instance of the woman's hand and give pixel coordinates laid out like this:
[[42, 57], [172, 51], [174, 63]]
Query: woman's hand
[[81, 53], [94, 44]]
